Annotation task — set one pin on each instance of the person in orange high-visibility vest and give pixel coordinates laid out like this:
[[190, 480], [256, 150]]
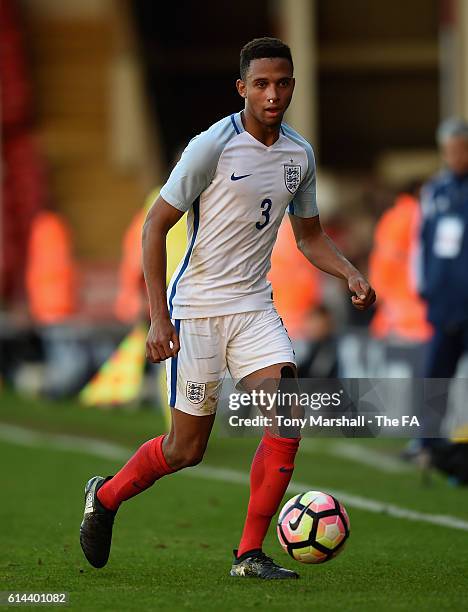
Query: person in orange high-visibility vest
[[51, 274], [130, 302], [51, 284], [295, 283], [400, 312]]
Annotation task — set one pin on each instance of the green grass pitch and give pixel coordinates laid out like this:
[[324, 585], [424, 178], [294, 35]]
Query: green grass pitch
[[173, 544]]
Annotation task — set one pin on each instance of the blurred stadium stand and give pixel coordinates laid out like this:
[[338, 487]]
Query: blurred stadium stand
[[24, 187]]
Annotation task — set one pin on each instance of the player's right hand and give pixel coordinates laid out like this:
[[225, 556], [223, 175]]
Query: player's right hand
[[162, 341]]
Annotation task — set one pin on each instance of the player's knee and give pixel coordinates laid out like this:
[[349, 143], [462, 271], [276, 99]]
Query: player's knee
[[288, 371], [289, 387], [184, 456], [189, 458]]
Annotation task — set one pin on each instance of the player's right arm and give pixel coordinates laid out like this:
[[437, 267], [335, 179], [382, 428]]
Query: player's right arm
[[162, 333], [190, 177]]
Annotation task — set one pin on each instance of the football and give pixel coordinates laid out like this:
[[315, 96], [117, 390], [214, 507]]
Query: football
[[313, 527]]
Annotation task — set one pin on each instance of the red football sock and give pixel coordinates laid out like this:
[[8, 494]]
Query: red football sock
[[145, 467], [271, 471]]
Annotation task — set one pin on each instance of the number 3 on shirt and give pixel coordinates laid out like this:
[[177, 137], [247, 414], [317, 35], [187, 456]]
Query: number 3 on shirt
[[266, 206]]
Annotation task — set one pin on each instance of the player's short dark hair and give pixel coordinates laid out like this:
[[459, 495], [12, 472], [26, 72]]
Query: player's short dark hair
[[259, 48]]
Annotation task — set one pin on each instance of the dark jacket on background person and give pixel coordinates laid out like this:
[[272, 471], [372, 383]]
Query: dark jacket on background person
[[444, 249], [321, 360]]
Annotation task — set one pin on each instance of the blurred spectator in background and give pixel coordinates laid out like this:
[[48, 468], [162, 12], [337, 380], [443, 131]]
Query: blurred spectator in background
[[400, 312], [321, 359], [131, 303], [400, 318], [444, 260], [296, 285], [128, 307], [51, 272], [51, 284]]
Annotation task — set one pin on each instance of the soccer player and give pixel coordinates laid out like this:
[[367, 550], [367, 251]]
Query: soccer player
[[235, 181]]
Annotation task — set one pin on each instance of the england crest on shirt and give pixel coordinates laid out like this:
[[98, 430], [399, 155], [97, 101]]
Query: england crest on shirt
[[195, 392], [292, 177]]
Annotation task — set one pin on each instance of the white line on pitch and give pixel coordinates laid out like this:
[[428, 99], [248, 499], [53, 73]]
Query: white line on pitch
[[116, 452], [348, 499], [90, 446], [358, 454]]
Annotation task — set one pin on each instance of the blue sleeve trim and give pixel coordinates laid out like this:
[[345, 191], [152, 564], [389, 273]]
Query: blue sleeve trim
[[197, 166], [174, 361], [235, 124], [291, 207], [196, 222]]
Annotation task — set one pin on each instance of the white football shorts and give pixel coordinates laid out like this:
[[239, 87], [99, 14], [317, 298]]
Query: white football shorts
[[242, 343]]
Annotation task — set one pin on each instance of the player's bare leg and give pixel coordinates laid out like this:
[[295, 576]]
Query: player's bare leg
[[184, 446], [270, 474], [186, 443]]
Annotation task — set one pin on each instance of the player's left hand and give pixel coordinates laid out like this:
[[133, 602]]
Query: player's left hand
[[364, 295]]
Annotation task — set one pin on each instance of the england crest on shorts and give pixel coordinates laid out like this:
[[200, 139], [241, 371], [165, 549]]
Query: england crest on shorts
[[195, 392], [292, 177]]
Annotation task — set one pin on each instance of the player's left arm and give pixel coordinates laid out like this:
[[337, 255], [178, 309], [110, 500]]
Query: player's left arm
[[320, 250]]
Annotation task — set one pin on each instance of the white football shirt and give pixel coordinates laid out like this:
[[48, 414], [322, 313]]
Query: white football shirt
[[236, 191]]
